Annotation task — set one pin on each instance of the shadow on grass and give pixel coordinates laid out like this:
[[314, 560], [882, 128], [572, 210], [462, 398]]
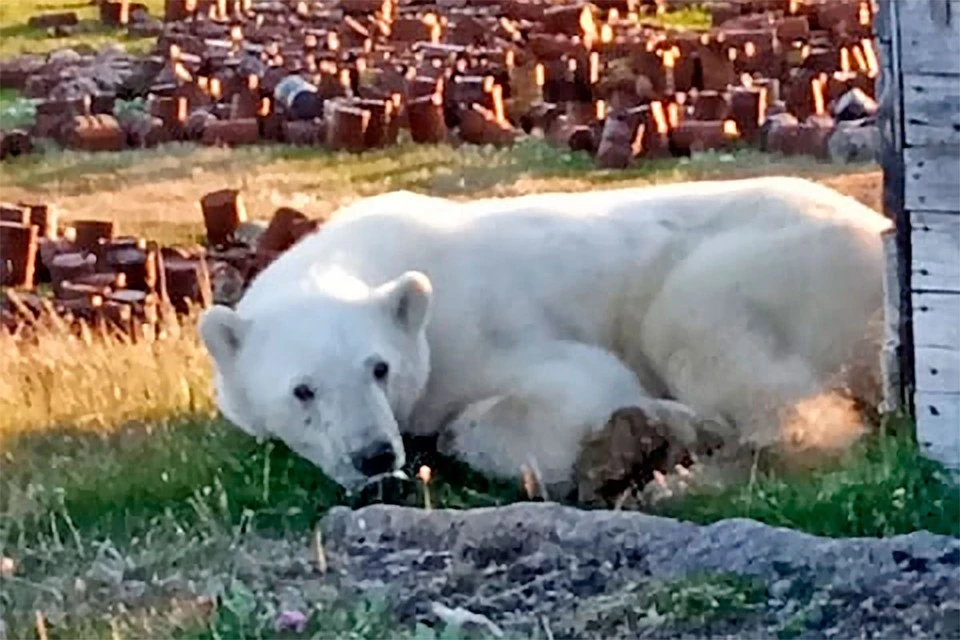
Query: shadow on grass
[[199, 471]]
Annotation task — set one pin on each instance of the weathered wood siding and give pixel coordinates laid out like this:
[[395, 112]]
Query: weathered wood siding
[[919, 43]]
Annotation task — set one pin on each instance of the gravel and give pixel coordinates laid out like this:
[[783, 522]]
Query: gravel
[[531, 565], [547, 571]]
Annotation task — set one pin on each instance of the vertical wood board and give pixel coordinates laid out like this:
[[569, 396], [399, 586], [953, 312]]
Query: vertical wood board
[[932, 178], [938, 426], [936, 320], [938, 369], [930, 39], [931, 107], [936, 251]]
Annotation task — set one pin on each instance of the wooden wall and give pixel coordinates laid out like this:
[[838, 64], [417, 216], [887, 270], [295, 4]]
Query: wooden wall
[[919, 43]]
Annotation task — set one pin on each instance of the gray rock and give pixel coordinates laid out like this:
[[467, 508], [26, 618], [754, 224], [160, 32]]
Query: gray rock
[[519, 563], [64, 57], [133, 590], [781, 588], [74, 88], [854, 141], [108, 567]]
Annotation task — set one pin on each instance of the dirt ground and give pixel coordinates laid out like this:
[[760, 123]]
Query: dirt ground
[[866, 187]]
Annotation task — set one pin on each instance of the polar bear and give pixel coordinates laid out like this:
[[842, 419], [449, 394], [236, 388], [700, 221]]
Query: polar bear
[[514, 326]]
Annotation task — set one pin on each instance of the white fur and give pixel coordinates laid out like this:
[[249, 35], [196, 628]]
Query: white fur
[[545, 313]]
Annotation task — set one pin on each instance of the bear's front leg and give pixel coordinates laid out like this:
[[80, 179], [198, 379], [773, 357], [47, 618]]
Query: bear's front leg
[[548, 399]]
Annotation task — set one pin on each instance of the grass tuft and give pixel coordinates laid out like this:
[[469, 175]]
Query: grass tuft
[[881, 487]]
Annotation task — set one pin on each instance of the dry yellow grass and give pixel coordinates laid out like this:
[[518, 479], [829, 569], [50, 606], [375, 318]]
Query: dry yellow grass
[[87, 381]]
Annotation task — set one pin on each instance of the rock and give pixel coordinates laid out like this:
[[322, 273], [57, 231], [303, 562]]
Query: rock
[[246, 566], [15, 72], [108, 567], [775, 121], [519, 563], [15, 143], [290, 598], [148, 27], [227, 283], [141, 128], [54, 20], [74, 88], [63, 57], [133, 591], [196, 123], [781, 588], [250, 231], [854, 141]]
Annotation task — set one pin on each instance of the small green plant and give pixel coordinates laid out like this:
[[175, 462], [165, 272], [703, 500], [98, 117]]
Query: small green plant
[[706, 598], [243, 614], [693, 17], [15, 110], [125, 108]]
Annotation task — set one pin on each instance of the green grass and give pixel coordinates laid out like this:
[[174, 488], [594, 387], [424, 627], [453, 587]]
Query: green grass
[[702, 603], [694, 18], [438, 168], [884, 486], [15, 111], [698, 599], [18, 38], [245, 616]]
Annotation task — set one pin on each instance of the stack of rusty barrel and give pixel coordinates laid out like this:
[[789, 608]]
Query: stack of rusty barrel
[[82, 270], [86, 273], [602, 76]]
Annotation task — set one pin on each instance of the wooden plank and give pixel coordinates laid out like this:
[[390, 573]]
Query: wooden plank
[[889, 117], [931, 177], [938, 426], [930, 108], [890, 124], [883, 21], [936, 251], [930, 43], [937, 369], [890, 364], [936, 320]]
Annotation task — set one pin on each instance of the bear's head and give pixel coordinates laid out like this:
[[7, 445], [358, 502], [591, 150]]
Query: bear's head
[[333, 376]]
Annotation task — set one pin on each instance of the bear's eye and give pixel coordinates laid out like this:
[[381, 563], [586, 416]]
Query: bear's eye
[[303, 393], [380, 371]]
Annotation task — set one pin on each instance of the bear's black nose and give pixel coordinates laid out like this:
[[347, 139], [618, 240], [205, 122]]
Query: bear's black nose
[[375, 459]]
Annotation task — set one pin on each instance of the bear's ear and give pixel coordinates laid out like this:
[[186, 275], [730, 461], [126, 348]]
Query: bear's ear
[[221, 330], [407, 299]]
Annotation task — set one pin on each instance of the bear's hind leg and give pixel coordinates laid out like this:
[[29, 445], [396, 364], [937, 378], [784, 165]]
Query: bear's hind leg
[[548, 399], [775, 401]]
